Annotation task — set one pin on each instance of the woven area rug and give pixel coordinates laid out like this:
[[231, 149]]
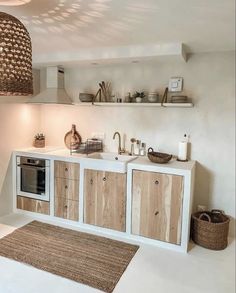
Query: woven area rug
[[92, 260]]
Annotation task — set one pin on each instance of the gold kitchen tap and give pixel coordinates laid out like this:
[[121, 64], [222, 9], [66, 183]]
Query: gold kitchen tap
[[120, 150]]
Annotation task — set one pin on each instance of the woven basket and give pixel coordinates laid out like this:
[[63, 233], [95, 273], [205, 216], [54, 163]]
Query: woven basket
[[160, 158], [16, 77], [210, 229]]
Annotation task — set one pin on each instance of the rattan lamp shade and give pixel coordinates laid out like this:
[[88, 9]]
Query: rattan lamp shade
[[15, 58]]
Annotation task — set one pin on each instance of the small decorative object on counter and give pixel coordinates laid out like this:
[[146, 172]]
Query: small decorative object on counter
[[72, 138], [143, 149], [153, 97], [137, 147], [139, 96], [183, 150], [210, 229], [128, 98], [90, 146], [39, 140], [160, 158], [133, 140]]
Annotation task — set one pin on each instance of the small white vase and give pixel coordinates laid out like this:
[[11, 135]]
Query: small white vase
[[138, 100]]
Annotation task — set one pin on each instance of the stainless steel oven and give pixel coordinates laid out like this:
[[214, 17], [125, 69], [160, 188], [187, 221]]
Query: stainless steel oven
[[33, 178]]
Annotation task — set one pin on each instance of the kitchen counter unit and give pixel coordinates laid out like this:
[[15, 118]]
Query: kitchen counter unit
[[153, 202]]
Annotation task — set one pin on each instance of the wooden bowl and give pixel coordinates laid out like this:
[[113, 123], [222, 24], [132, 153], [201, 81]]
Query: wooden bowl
[[84, 97], [160, 158]]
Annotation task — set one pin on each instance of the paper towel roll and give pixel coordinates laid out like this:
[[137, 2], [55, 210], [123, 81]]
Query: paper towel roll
[[183, 149]]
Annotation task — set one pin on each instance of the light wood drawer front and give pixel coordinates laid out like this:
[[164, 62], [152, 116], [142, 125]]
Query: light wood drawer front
[[157, 206], [66, 170], [67, 188], [66, 209], [33, 205]]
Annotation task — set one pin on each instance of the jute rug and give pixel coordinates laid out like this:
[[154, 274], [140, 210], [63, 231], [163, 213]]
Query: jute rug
[[92, 260]]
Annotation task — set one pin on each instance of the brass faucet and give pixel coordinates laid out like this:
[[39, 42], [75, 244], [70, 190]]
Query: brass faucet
[[120, 150]]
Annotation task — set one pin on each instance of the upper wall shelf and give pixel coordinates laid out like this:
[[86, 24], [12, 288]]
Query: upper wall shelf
[[112, 55], [169, 105]]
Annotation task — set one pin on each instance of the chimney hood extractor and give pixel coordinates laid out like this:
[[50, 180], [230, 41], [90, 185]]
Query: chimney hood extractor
[[55, 92]]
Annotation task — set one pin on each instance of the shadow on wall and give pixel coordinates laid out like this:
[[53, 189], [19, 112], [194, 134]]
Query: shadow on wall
[[203, 186], [203, 192], [6, 190]]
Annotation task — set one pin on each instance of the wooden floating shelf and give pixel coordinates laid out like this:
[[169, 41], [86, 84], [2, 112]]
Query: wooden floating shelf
[[168, 105]]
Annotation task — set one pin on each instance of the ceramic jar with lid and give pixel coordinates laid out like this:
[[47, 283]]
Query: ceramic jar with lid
[[153, 97]]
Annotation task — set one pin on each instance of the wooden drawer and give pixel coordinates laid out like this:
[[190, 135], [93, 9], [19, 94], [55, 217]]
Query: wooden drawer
[[33, 205], [66, 170], [66, 209], [67, 188]]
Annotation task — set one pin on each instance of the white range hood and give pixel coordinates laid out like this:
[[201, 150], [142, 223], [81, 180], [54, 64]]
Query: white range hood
[[55, 92]]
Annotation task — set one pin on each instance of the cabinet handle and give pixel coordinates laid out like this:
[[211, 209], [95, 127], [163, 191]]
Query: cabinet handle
[[156, 182], [91, 181], [156, 213], [66, 206], [66, 187], [66, 169], [104, 179]]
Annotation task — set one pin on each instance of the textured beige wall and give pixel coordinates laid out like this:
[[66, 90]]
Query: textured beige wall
[[209, 79], [18, 124]]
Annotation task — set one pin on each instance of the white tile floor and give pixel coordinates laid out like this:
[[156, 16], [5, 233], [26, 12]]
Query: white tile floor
[[152, 270]]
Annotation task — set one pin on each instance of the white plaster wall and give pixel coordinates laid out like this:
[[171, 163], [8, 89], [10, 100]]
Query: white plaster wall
[[18, 124], [209, 79]]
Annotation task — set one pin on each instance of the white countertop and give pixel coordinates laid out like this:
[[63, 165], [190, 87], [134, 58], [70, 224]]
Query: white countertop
[[142, 163]]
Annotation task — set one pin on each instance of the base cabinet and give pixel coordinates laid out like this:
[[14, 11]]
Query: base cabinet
[[105, 199], [157, 206], [66, 193], [33, 205]]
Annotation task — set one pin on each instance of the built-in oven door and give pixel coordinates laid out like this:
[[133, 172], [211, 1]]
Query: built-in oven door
[[33, 181]]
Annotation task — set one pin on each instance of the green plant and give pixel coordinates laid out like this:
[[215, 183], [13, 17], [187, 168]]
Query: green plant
[[139, 95]]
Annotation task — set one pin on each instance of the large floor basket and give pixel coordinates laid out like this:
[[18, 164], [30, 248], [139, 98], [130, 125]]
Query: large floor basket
[[210, 229]]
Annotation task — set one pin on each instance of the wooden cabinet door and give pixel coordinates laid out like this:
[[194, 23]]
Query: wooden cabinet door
[[105, 199], [157, 206], [33, 205]]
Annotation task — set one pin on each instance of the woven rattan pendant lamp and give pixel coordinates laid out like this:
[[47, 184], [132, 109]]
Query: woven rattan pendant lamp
[[15, 58]]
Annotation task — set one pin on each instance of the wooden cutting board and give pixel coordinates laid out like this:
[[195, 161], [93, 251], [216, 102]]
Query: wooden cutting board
[[72, 139]]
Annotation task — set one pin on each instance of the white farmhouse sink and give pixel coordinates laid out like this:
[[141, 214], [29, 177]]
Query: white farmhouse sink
[[108, 162]]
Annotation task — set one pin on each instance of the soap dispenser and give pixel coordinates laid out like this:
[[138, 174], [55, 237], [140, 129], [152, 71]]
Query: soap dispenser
[[143, 149], [133, 140], [137, 147]]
